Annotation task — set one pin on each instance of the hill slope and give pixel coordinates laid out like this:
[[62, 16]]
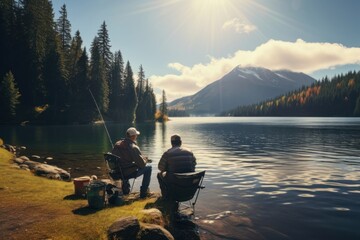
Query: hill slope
[[241, 86]]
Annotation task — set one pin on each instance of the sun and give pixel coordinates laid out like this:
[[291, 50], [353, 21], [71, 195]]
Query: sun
[[217, 9], [210, 4], [196, 23]]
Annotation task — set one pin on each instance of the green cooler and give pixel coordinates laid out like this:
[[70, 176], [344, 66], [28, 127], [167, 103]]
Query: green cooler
[[96, 194]]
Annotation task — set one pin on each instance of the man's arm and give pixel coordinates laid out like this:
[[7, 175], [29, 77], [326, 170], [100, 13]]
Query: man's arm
[[162, 163], [137, 157], [194, 162]]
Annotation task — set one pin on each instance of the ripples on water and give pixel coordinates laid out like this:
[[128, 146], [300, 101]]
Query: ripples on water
[[291, 178], [294, 178]]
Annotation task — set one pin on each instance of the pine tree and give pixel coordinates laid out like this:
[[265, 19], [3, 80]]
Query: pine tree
[[55, 77], [161, 115], [104, 47], [117, 96], [9, 98], [140, 83], [74, 56], [82, 110], [7, 33], [98, 83], [64, 29], [163, 105], [140, 110], [39, 28], [357, 107], [149, 103], [152, 108], [130, 95]]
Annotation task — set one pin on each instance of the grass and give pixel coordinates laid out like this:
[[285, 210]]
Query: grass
[[38, 208]]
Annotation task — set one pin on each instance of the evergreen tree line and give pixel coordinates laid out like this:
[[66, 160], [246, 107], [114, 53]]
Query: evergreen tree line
[[46, 74], [339, 96]]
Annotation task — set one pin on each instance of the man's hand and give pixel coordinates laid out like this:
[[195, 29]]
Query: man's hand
[[147, 160]]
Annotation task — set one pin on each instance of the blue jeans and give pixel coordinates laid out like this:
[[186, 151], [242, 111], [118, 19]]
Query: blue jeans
[[146, 171]]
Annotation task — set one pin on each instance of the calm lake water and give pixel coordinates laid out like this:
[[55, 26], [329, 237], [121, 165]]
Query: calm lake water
[[266, 178]]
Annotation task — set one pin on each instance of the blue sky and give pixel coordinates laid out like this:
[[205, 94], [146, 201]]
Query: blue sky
[[184, 45]]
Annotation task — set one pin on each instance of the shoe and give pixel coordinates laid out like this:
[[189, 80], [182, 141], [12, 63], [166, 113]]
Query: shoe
[[144, 193], [125, 187]]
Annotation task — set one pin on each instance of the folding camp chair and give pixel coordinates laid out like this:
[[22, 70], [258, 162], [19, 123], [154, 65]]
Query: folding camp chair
[[116, 167], [182, 187]]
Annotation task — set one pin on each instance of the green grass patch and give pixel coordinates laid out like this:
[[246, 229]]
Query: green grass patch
[[34, 207]]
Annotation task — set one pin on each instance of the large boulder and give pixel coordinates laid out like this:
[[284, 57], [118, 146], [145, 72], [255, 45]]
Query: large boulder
[[152, 231], [125, 228], [42, 169], [51, 172], [152, 216]]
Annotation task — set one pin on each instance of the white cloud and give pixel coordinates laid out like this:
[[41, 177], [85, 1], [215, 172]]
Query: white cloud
[[239, 26], [298, 56]]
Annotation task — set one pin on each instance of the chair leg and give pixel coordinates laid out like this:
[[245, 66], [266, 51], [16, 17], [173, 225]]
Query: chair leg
[[132, 186]]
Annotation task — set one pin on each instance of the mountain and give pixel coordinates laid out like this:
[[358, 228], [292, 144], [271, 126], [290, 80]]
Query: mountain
[[241, 86]]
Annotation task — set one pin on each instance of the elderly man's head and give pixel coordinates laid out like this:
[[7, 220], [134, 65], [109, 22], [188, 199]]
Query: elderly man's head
[[132, 133], [175, 140]]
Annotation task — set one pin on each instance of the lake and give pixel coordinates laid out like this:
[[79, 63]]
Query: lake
[[266, 178]]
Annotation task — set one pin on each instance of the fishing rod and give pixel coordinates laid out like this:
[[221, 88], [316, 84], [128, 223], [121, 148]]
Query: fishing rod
[[102, 119]]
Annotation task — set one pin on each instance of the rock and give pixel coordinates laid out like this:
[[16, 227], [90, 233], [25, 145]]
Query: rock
[[25, 158], [45, 170], [19, 160], [51, 172], [22, 148], [24, 166], [152, 216], [54, 176], [98, 168], [125, 228], [35, 156], [185, 229], [152, 231], [10, 148], [31, 164], [49, 158], [15, 166], [230, 227]]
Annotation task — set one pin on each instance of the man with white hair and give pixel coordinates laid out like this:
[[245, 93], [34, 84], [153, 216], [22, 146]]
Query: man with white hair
[[129, 151]]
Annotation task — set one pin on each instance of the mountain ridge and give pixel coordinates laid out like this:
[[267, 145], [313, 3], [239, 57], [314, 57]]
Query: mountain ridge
[[241, 86]]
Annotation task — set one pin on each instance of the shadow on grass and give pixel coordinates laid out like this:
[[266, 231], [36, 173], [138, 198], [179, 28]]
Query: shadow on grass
[[113, 201], [84, 211], [74, 197]]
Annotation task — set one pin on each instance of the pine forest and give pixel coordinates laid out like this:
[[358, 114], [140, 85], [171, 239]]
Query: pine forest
[[47, 76]]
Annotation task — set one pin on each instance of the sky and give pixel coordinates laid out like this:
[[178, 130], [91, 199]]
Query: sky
[[184, 45]]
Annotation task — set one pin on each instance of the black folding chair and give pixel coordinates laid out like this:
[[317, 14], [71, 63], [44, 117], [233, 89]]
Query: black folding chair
[[116, 168], [183, 187]]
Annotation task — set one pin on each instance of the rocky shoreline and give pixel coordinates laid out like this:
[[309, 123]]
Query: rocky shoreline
[[39, 169], [42, 169]]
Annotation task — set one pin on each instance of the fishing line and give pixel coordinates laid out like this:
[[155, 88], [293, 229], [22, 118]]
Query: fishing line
[[102, 119]]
